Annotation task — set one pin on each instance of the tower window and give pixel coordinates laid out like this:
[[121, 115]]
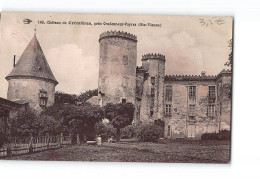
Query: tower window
[[192, 92], [168, 94], [151, 112], [123, 101], [168, 110], [152, 91], [43, 98], [125, 59], [153, 80], [125, 82]]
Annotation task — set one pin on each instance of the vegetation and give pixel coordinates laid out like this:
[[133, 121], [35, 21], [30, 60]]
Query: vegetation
[[62, 98], [192, 151], [120, 115], [129, 132], [105, 130], [82, 119], [222, 135], [149, 133], [2, 138], [230, 57]]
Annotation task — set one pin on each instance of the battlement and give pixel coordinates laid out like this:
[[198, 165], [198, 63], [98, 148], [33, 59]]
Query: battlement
[[120, 34], [224, 72], [153, 56], [189, 77]]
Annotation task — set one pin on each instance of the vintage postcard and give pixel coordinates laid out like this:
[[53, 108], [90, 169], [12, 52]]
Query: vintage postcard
[[115, 88]]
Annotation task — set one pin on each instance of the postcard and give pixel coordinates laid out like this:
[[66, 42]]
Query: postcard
[[115, 88]]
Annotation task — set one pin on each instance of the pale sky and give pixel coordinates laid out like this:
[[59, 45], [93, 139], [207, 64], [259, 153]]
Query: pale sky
[[191, 44]]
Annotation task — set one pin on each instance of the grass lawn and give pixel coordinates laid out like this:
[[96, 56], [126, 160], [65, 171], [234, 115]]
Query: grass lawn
[[190, 151]]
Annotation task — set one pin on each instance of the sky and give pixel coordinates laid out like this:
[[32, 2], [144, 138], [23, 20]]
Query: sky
[[191, 44]]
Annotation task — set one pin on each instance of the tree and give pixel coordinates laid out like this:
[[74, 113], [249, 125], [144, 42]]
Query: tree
[[230, 57], [48, 124], [82, 119], [229, 64], [25, 123], [120, 115], [62, 98], [83, 97]]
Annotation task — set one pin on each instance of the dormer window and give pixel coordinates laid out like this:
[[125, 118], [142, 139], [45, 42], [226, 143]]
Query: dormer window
[[43, 98]]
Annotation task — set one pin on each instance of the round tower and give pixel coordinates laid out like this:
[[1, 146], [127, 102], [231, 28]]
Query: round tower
[[117, 67], [154, 65], [31, 78]]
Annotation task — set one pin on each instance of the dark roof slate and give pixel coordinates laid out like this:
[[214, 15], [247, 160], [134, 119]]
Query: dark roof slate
[[32, 64]]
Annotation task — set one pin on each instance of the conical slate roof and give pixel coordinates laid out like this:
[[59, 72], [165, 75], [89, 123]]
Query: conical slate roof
[[33, 64]]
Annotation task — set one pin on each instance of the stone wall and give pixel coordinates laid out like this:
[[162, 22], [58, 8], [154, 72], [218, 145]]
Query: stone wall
[[117, 68], [181, 123], [152, 104], [29, 89]]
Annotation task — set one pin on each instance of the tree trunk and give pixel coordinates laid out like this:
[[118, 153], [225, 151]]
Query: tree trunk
[[118, 135]]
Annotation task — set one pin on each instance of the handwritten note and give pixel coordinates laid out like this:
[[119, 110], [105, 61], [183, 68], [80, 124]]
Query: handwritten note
[[211, 21]]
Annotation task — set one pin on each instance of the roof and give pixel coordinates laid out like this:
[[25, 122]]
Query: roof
[[33, 64], [93, 100], [12, 104], [197, 77]]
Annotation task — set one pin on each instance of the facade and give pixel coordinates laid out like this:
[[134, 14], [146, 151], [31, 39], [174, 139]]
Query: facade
[[187, 105], [31, 79]]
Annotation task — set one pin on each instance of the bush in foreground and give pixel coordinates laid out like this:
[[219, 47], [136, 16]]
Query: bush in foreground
[[129, 132], [222, 135], [149, 133], [105, 130]]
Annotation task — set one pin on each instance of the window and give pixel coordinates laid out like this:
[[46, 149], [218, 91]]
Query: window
[[125, 82], [211, 110], [192, 92], [168, 110], [192, 110], [123, 101], [125, 59], [43, 98], [212, 92], [152, 91], [168, 95], [104, 80], [153, 80], [169, 130], [151, 112]]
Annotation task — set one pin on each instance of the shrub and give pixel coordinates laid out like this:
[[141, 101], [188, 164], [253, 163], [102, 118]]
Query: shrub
[[105, 130], [2, 139], [128, 132], [149, 133], [222, 135]]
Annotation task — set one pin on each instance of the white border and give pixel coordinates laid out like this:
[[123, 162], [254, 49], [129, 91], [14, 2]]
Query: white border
[[246, 121]]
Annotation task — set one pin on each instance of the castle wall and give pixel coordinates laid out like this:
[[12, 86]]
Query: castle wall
[[117, 69], [152, 104], [29, 90], [224, 101], [182, 122]]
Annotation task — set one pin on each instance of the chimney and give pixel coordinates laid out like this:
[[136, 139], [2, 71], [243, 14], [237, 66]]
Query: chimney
[[14, 60]]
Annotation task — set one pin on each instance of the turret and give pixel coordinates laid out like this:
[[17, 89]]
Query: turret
[[31, 78], [117, 67], [154, 65]]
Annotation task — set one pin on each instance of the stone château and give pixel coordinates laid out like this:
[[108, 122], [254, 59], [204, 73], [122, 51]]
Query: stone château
[[187, 105]]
